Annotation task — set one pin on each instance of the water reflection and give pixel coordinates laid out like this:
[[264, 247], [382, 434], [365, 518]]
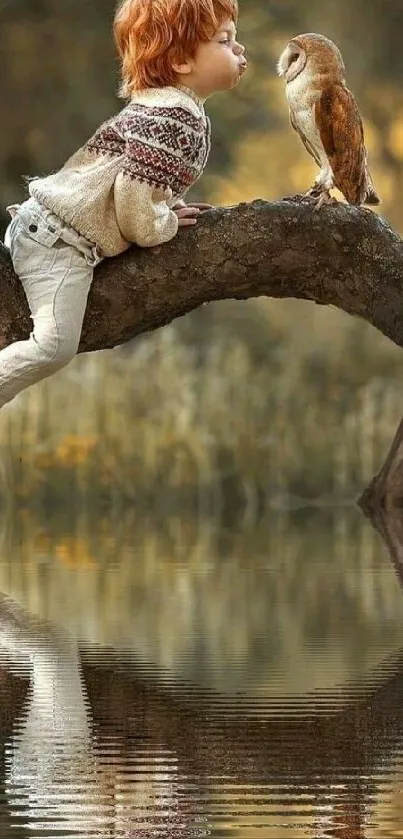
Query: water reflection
[[50, 759], [297, 604], [186, 681]]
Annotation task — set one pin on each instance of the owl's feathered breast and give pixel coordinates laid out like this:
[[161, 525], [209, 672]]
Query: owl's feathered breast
[[302, 95]]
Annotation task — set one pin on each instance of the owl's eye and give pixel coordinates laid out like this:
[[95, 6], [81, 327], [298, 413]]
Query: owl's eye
[[293, 57]]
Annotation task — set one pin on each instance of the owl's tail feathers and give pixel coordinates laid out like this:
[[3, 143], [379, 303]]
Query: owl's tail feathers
[[371, 197]]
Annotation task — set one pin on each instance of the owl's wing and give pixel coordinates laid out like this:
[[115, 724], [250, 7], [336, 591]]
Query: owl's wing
[[340, 127], [309, 147]]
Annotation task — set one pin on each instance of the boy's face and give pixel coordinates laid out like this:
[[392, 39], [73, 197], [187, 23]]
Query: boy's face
[[218, 64]]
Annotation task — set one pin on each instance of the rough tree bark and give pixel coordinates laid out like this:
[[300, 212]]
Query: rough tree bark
[[340, 256]]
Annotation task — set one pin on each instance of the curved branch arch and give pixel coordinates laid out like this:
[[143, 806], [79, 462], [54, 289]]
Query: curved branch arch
[[342, 256]]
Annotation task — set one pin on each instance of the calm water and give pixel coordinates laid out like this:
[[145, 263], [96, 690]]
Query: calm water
[[180, 679]]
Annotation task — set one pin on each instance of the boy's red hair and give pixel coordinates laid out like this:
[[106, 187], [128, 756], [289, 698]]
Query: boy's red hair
[[152, 35]]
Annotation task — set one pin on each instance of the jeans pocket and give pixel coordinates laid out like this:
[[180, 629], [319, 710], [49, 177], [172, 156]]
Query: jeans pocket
[[40, 230], [32, 248]]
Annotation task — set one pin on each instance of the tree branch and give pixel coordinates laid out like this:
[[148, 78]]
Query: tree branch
[[342, 256]]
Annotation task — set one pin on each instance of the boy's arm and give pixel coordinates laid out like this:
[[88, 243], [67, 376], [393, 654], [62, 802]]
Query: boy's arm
[[165, 152], [148, 216]]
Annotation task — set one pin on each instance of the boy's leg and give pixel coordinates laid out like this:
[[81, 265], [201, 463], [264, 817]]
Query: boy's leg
[[57, 300]]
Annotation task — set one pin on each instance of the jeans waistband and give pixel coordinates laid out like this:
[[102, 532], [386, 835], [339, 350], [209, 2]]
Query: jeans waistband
[[32, 211]]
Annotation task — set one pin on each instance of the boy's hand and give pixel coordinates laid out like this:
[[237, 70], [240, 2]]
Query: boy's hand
[[188, 214]]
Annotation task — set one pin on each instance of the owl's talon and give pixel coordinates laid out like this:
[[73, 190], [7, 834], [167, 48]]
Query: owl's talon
[[301, 198], [297, 197], [314, 192], [325, 198]]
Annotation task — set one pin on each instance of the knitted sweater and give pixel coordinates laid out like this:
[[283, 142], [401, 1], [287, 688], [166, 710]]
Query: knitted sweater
[[120, 186]]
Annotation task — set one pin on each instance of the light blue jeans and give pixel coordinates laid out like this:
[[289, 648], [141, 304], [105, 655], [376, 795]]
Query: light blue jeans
[[55, 265]]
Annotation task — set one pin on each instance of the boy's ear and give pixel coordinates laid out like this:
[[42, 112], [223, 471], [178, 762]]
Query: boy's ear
[[183, 69]]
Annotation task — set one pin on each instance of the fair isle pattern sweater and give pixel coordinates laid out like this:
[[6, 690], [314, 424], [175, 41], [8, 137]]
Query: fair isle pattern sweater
[[120, 186]]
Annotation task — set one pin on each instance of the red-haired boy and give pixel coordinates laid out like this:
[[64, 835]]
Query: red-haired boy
[[126, 184]]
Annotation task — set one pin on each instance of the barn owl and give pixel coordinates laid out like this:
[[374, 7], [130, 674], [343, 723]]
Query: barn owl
[[325, 115]]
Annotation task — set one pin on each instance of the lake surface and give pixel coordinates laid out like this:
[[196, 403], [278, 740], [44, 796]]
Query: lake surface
[[182, 678]]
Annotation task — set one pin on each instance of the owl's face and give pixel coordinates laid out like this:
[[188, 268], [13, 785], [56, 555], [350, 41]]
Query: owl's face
[[292, 61], [314, 52]]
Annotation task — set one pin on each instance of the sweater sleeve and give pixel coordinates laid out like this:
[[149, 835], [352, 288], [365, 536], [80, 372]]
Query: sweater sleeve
[[165, 152], [142, 212]]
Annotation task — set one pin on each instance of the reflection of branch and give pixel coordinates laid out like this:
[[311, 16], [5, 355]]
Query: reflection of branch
[[309, 755], [303, 754], [306, 755]]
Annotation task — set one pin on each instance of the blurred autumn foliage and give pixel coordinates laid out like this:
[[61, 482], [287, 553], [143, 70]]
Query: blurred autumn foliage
[[246, 393]]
